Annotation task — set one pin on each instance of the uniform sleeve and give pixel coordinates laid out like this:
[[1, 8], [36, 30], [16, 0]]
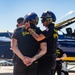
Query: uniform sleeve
[[43, 41], [48, 32], [15, 34]]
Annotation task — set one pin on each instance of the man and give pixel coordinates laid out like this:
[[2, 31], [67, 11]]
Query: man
[[26, 48], [47, 62], [20, 21], [60, 56]]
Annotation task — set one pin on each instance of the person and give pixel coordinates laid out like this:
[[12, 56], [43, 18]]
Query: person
[[26, 48], [60, 56], [20, 21], [47, 62]]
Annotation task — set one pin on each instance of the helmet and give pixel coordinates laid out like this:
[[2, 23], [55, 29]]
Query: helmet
[[49, 16], [20, 19], [32, 17]]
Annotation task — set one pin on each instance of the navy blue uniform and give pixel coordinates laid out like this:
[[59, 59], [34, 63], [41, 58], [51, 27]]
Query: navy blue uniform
[[28, 47], [46, 63]]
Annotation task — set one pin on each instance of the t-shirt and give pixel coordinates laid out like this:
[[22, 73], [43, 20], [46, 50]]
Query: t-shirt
[[26, 43], [51, 38], [59, 52]]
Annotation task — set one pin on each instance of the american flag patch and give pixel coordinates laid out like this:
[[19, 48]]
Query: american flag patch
[[47, 29]]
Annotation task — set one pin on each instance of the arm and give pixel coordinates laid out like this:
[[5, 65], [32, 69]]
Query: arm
[[64, 56], [35, 35], [43, 50], [15, 49]]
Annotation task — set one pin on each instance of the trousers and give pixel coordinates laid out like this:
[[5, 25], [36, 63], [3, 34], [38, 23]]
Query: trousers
[[46, 65], [21, 69]]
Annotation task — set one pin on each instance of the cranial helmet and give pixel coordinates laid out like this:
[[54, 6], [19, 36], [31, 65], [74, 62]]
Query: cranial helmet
[[49, 16], [32, 17]]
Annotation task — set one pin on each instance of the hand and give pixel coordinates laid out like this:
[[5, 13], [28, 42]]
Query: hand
[[27, 25], [30, 61], [27, 61], [58, 59]]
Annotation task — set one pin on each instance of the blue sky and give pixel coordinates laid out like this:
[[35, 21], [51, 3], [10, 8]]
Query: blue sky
[[10, 10]]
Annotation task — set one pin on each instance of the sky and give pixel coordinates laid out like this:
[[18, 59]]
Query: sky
[[11, 10]]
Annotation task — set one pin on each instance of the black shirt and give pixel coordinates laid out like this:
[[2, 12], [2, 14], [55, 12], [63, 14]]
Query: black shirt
[[59, 52], [51, 39], [26, 43]]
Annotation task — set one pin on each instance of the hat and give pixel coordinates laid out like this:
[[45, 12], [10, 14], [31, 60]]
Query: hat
[[20, 19]]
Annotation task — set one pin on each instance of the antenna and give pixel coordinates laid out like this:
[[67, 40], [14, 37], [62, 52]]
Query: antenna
[[9, 34]]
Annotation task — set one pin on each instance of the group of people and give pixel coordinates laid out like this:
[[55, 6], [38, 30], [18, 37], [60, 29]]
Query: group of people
[[34, 49]]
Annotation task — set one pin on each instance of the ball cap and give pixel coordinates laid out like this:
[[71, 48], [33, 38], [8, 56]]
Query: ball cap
[[20, 19]]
